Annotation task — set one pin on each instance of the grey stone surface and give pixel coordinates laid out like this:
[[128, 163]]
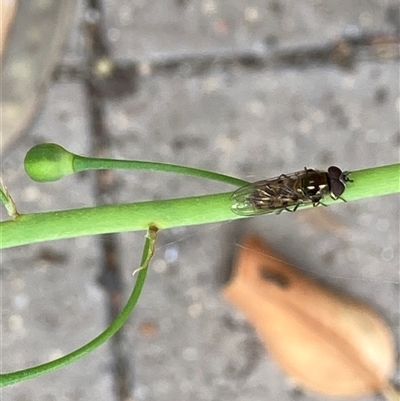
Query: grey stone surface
[[256, 125], [146, 29], [186, 342], [50, 301]]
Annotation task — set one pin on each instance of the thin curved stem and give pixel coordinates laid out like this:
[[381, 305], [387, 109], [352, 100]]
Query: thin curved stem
[[81, 163], [51, 162], [7, 379]]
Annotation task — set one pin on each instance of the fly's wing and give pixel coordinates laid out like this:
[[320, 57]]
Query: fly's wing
[[253, 199], [267, 196]]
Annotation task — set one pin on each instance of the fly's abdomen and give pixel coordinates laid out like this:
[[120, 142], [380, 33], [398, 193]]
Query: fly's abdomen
[[256, 198]]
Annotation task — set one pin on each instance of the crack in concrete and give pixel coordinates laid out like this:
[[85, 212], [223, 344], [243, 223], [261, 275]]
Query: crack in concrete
[[97, 70], [345, 53]]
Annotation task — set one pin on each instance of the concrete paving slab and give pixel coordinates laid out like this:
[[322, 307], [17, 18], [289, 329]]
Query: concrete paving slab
[[50, 301], [186, 343], [254, 125], [147, 29]]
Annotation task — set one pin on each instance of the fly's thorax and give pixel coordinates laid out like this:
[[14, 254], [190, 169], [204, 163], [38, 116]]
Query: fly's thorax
[[313, 185]]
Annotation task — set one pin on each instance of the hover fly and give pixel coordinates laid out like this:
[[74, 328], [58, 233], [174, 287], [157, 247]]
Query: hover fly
[[289, 191]]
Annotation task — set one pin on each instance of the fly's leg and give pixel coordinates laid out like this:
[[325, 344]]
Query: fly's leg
[[337, 198], [318, 202], [296, 207], [288, 209], [279, 211], [282, 178]]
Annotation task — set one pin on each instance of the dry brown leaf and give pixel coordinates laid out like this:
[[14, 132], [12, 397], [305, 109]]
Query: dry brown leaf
[[323, 219], [7, 12], [326, 341]]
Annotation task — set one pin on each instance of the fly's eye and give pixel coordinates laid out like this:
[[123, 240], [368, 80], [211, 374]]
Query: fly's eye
[[334, 173], [337, 188]]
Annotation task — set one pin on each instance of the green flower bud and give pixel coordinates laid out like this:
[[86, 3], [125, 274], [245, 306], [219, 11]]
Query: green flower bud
[[48, 162]]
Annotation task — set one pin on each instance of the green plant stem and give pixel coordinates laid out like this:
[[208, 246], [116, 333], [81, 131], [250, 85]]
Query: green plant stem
[[7, 379], [50, 162], [81, 163], [37, 227]]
